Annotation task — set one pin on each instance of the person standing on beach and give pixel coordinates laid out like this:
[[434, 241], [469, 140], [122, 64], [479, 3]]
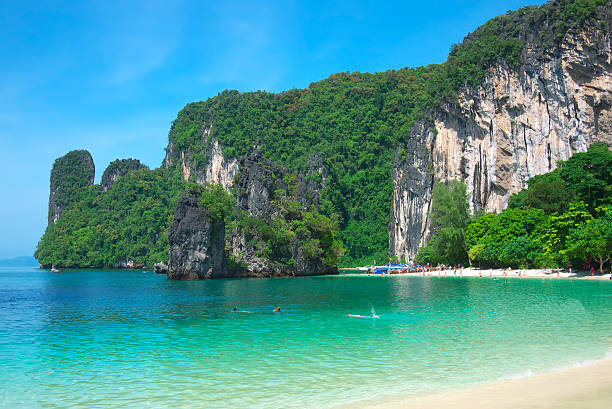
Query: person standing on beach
[[592, 271]]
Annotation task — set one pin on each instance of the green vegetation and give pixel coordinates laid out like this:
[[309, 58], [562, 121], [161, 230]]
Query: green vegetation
[[70, 173], [355, 121], [292, 232], [563, 218], [218, 203], [593, 239], [119, 167], [449, 217], [128, 222]]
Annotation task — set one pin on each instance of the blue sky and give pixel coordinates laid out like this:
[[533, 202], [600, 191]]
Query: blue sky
[[110, 76]]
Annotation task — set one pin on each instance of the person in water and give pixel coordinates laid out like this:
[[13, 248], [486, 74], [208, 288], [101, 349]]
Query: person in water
[[277, 309]]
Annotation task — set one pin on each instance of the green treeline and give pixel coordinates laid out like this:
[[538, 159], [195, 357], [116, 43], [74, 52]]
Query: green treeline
[[107, 228], [563, 218], [355, 121]]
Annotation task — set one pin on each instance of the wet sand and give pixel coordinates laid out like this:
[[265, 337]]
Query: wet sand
[[584, 387]]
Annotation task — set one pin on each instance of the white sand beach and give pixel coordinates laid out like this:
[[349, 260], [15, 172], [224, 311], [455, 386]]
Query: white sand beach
[[507, 273], [582, 387]]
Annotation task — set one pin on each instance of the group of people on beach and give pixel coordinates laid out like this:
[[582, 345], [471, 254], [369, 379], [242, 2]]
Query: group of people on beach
[[427, 270]]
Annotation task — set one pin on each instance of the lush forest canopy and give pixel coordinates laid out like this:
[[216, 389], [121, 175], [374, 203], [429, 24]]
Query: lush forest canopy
[[70, 174], [356, 121], [129, 222], [563, 218], [119, 167]]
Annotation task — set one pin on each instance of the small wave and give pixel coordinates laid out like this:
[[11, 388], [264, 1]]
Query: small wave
[[585, 362]]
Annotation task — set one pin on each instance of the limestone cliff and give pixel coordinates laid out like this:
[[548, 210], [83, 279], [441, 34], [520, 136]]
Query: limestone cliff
[[214, 168], [263, 190], [70, 173], [196, 243], [517, 124], [268, 197]]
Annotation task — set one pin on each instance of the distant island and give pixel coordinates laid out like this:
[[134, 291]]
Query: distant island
[[352, 169]]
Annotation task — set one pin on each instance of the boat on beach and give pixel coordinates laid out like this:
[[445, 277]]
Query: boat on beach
[[387, 269]]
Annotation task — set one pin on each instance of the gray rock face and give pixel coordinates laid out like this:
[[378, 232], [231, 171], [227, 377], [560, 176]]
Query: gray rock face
[[70, 173], [257, 182], [196, 243], [518, 124], [160, 268], [118, 168], [218, 168]]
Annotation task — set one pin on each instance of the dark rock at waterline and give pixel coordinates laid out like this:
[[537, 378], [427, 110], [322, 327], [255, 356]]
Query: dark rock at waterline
[[160, 268], [197, 243]]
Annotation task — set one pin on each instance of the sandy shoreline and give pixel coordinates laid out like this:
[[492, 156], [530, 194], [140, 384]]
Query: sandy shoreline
[[588, 386], [491, 273]]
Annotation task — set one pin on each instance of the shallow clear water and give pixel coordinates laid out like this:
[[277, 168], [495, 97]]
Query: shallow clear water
[[136, 339]]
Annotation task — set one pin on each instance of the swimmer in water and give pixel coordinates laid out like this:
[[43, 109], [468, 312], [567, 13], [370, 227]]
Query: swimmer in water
[[363, 316], [277, 309], [243, 311]]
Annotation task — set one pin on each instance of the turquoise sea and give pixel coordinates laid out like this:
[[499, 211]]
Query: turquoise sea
[[136, 339]]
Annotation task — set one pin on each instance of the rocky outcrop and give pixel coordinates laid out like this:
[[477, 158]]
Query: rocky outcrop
[[128, 264], [160, 268], [517, 124], [260, 186], [197, 243], [263, 191], [70, 173], [217, 168], [117, 169], [258, 181]]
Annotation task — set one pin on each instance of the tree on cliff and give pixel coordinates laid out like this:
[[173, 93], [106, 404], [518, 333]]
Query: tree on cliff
[[449, 217], [212, 196]]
